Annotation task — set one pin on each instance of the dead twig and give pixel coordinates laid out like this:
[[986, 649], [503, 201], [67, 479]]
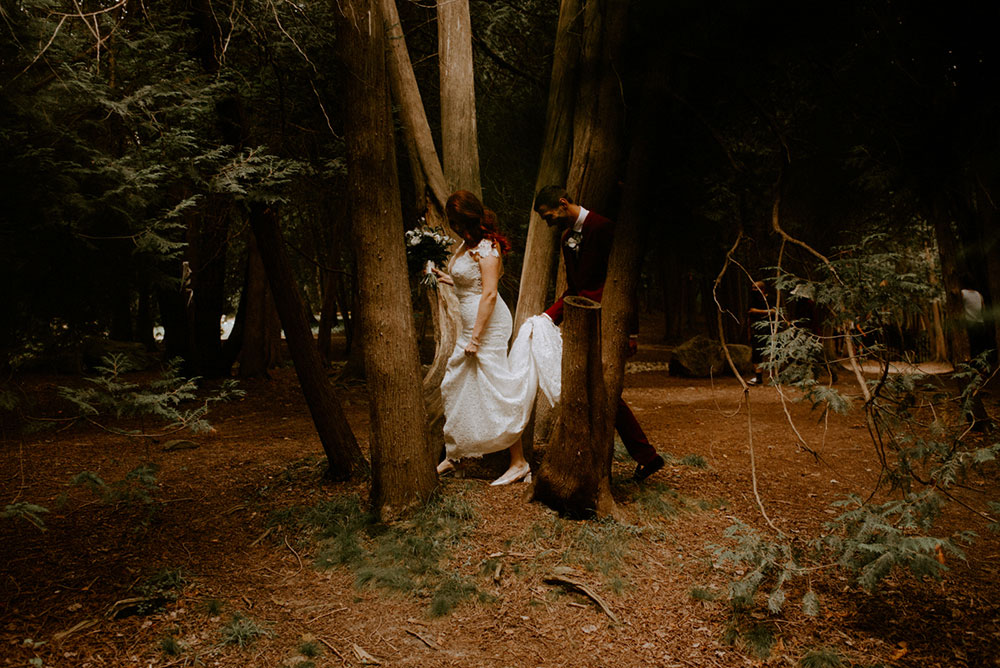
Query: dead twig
[[565, 580]]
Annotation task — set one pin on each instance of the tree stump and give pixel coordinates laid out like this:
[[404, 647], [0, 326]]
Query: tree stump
[[575, 476]]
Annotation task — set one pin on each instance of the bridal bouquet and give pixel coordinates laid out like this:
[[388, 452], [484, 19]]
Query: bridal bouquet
[[425, 248]]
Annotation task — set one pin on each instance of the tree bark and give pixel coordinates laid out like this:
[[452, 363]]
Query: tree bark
[[342, 452], [402, 463], [459, 142], [597, 120], [954, 311], [414, 119], [575, 477], [261, 345], [327, 316], [540, 249]]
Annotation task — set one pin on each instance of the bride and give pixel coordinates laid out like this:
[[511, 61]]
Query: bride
[[488, 395]]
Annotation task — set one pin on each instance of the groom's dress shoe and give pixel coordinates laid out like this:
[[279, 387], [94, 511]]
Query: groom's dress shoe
[[512, 475], [643, 471]]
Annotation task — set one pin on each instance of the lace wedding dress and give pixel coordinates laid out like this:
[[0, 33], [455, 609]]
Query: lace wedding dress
[[488, 397]]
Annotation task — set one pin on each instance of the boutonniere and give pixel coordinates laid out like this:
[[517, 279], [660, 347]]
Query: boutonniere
[[573, 241]]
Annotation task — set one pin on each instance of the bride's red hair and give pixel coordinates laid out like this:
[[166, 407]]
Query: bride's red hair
[[466, 213]]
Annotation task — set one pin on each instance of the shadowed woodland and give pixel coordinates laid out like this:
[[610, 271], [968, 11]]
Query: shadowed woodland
[[220, 408]]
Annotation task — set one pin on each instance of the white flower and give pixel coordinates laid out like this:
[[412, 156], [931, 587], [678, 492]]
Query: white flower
[[415, 241], [573, 241]]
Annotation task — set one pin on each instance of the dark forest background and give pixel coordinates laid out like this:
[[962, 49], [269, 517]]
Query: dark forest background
[[133, 144]]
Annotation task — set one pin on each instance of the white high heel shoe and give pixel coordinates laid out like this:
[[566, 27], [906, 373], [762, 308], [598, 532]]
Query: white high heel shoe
[[513, 475], [446, 466]]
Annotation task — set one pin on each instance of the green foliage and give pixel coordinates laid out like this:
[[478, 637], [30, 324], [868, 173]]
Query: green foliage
[[165, 399], [28, 512], [213, 607], [702, 594], [310, 649], [407, 557], [138, 487], [242, 631], [657, 499], [694, 461], [821, 658], [170, 646]]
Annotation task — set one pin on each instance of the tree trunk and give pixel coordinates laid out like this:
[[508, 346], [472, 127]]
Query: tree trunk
[[402, 463], [620, 312], [540, 251], [597, 120], [261, 345], [424, 159], [327, 316], [575, 477], [954, 311], [342, 452], [459, 142]]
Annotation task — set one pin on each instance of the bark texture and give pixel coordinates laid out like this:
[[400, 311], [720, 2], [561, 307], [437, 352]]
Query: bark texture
[[540, 249], [261, 345], [459, 141], [575, 476], [428, 174], [597, 120], [342, 452], [402, 464]]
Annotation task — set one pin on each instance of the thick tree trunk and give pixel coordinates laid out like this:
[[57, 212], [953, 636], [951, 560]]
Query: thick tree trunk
[[342, 452], [261, 345], [540, 250], [424, 157], [575, 477], [620, 312], [597, 121], [459, 141], [402, 463]]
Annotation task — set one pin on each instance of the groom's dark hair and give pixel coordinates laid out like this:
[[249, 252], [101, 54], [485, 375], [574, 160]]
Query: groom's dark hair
[[549, 197]]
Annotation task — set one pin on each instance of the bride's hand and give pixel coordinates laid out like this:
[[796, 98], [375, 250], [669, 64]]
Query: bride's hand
[[472, 348], [443, 277]]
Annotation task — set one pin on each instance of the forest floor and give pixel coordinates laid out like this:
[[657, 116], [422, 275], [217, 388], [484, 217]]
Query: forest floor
[[219, 564]]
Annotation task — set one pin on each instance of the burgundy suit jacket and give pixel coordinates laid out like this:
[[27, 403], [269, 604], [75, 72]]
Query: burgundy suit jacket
[[587, 265]]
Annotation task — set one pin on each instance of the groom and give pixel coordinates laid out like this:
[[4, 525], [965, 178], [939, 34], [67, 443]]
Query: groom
[[586, 246]]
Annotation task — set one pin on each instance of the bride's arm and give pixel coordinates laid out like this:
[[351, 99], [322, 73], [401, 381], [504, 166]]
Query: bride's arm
[[489, 266]]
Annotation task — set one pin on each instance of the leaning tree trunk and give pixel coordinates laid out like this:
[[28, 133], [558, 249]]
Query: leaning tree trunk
[[597, 119], [402, 463], [459, 142], [540, 250], [575, 476], [423, 155], [342, 452]]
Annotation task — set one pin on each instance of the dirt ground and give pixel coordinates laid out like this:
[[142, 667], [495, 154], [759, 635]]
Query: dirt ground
[[213, 521]]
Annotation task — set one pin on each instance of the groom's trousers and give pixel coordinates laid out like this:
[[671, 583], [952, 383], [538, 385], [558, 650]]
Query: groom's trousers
[[632, 435]]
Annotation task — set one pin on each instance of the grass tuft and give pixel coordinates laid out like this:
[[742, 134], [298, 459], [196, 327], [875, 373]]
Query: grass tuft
[[759, 640], [694, 461], [242, 631], [213, 607], [701, 594], [821, 658], [452, 591], [310, 649], [170, 646]]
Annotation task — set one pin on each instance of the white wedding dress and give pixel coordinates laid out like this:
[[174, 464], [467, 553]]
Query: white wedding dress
[[488, 397]]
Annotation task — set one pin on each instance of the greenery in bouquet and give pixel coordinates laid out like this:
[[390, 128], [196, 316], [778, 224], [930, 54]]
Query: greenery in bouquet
[[427, 247]]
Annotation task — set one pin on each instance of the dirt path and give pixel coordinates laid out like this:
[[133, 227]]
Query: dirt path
[[226, 519]]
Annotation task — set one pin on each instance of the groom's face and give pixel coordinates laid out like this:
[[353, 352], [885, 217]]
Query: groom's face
[[557, 216]]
